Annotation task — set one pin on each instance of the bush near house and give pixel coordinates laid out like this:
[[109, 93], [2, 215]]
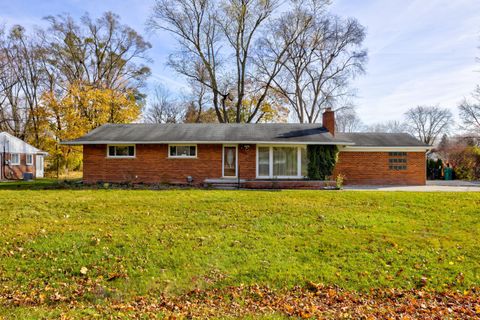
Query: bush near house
[[467, 163], [104, 253], [321, 161]]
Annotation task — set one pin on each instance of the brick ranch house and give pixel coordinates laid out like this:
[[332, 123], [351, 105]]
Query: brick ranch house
[[19, 159], [253, 155]]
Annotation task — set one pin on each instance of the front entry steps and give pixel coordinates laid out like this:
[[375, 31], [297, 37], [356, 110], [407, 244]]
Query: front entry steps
[[224, 183], [233, 183]]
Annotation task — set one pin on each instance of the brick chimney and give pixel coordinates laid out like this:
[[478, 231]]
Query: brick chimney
[[329, 120]]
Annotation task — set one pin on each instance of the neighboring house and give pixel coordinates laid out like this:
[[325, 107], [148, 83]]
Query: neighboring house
[[255, 155], [19, 159]]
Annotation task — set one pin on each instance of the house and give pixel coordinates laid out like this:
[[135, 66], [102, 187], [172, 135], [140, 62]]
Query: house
[[19, 160], [253, 155]]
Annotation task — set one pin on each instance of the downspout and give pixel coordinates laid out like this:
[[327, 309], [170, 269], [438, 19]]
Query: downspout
[[238, 169], [2, 173], [4, 161]]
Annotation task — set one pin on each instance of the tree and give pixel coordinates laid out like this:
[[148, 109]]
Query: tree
[[323, 56], [197, 108], [163, 109], [347, 120], [239, 50], [21, 84], [470, 113], [61, 81], [101, 53], [428, 123], [81, 109], [391, 126], [216, 43]]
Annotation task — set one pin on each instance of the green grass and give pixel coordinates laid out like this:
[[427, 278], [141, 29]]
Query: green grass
[[150, 242], [39, 184]]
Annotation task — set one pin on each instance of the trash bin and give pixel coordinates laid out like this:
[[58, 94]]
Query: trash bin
[[448, 173], [27, 176]]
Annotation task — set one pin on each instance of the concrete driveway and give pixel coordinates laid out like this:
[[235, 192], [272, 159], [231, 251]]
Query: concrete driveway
[[432, 186]]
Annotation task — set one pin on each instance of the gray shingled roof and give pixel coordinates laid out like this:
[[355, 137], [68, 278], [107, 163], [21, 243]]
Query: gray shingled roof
[[238, 133], [375, 139]]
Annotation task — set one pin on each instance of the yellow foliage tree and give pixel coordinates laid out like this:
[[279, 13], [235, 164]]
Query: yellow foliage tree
[[81, 109]]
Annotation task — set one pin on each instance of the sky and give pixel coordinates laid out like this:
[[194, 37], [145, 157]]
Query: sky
[[421, 52]]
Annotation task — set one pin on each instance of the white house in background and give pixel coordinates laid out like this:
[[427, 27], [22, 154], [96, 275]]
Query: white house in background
[[19, 159]]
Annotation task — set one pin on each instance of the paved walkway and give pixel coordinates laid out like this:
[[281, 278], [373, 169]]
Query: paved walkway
[[432, 186]]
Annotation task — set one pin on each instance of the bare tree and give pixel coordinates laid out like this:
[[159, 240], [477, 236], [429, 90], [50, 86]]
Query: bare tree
[[470, 113], [162, 108], [197, 104], [322, 59], [217, 40], [102, 52], [429, 123], [347, 120], [391, 126], [21, 83]]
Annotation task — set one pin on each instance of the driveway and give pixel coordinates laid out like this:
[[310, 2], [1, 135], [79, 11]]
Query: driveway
[[432, 186]]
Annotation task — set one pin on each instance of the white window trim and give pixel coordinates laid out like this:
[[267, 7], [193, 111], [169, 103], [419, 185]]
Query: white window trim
[[15, 163], [29, 163], [122, 145], [270, 161], [236, 160], [182, 145]]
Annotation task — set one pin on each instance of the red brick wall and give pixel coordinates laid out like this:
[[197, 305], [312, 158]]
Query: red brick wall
[[372, 168], [247, 161], [328, 120], [17, 171], [152, 165]]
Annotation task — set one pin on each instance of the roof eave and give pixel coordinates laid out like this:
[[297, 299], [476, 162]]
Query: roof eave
[[359, 148], [84, 142]]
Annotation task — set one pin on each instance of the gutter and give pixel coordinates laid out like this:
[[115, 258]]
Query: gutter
[[79, 143], [386, 148]]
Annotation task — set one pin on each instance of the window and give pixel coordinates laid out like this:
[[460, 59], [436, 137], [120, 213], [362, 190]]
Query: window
[[285, 161], [29, 159], [182, 151], [397, 161], [304, 162], [263, 161], [121, 151], [15, 159], [281, 162]]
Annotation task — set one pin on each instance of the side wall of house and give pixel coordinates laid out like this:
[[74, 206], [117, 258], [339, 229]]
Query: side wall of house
[[372, 168], [15, 172], [152, 164]]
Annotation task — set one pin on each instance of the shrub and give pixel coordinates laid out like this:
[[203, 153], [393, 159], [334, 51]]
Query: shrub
[[321, 161], [467, 163], [339, 181]]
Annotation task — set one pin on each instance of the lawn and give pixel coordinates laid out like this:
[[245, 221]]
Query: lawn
[[97, 246]]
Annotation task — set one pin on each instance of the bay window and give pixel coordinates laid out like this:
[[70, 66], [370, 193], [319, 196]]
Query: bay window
[[281, 162]]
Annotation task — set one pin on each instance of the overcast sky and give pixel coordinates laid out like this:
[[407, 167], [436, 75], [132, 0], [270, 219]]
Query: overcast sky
[[421, 52]]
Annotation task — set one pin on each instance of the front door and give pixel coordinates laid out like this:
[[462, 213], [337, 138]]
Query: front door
[[230, 161], [39, 167]]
